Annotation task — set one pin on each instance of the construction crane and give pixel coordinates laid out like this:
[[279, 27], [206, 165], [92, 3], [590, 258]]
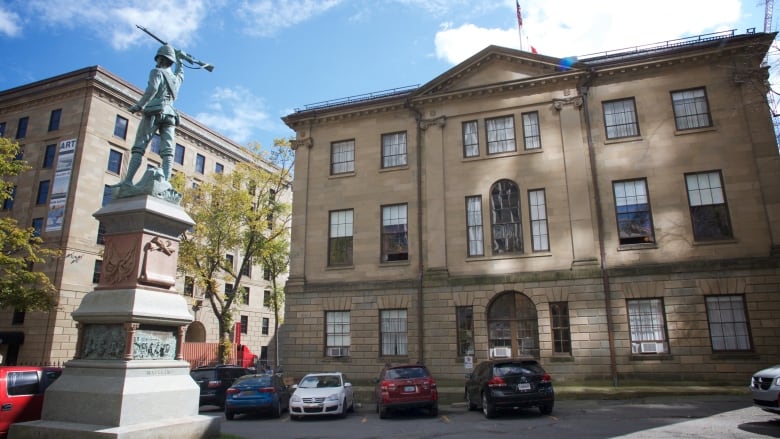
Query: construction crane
[[768, 6], [768, 9]]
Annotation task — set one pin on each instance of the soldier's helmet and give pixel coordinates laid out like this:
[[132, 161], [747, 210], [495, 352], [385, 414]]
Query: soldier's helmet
[[166, 51]]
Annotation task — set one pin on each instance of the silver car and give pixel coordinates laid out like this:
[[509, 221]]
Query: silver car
[[322, 394], [765, 387]]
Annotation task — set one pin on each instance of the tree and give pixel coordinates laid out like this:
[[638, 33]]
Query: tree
[[243, 213], [276, 259], [21, 288]]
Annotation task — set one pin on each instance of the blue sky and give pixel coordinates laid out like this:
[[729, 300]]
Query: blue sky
[[273, 56]]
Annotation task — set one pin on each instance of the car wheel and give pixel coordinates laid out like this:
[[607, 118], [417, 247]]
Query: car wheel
[[434, 410], [343, 413], [546, 409], [382, 412], [229, 415], [487, 407], [469, 403], [276, 409]]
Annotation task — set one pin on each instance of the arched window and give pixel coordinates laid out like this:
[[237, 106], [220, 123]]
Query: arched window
[[505, 217], [513, 324]]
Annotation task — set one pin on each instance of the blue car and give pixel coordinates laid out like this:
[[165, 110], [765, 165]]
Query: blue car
[[257, 394]]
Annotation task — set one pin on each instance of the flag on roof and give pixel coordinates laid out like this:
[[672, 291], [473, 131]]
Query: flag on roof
[[519, 14]]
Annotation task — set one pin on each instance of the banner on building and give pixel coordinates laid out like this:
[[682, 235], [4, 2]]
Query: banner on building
[[59, 189]]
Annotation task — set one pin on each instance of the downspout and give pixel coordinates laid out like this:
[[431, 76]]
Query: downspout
[[584, 89], [420, 265]]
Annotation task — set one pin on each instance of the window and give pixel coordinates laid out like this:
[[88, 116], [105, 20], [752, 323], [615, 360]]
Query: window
[[395, 233], [37, 225], [393, 150], [647, 326], [691, 109], [707, 202], [244, 324], [178, 155], [2, 129], [106, 194], [229, 261], [464, 320], [342, 157], [476, 244], [729, 329], [470, 139], [337, 332], [245, 295], [8, 203], [246, 270], [43, 192], [54, 119], [540, 237], [266, 324], [219, 168], [620, 118], [531, 137], [114, 161], [154, 144], [200, 164], [228, 289], [505, 218], [500, 134], [267, 299], [632, 208], [393, 332], [18, 317], [96, 271], [340, 238], [561, 331], [189, 286], [266, 273], [48, 156], [120, 127], [21, 128], [101, 234]]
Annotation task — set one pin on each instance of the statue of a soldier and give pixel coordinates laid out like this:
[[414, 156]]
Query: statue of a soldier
[[159, 115]]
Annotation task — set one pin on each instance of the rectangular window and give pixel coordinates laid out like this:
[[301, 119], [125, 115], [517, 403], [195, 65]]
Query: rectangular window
[[228, 289], [393, 150], [342, 157], [620, 118], [120, 127], [114, 161], [106, 195], [21, 128], [219, 168], [37, 225], [470, 139], [229, 261], [154, 144], [2, 129], [500, 134], [340, 238], [648, 327], [266, 273], [18, 317], [43, 192], [178, 155], [244, 324], [540, 237], [707, 203], [48, 156], [101, 234], [200, 164], [393, 332], [395, 233], [8, 203], [245, 295], [246, 270], [464, 320], [474, 229], [632, 208], [54, 119], [337, 339], [691, 109], [266, 325], [561, 331], [267, 299], [531, 136], [728, 321], [96, 271], [189, 286]]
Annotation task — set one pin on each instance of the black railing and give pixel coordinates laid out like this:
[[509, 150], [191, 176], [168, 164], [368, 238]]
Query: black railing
[[687, 41], [358, 98]]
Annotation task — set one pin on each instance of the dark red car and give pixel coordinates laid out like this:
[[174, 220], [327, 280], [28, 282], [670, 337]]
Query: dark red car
[[21, 393], [403, 387]]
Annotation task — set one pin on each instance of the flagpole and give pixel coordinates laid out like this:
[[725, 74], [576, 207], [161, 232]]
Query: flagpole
[[519, 24]]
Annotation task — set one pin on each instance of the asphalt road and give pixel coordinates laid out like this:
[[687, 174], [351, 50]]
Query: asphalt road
[[721, 416]]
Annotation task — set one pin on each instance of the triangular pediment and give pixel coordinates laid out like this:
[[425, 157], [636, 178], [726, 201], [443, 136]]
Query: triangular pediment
[[492, 65]]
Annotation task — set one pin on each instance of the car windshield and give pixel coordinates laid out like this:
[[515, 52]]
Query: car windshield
[[199, 375], [405, 373], [319, 381], [524, 368], [254, 380]]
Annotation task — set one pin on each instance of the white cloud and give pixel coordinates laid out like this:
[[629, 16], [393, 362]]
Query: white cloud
[[9, 23], [266, 17], [455, 45], [236, 113]]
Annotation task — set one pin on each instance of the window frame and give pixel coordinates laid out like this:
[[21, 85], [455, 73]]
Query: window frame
[[505, 143], [532, 133], [623, 122], [697, 211], [560, 328], [746, 336], [114, 164], [178, 156], [338, 332], [475, 227], [394, 154], [120, 127], [496, 226], [347, 234], [200, 164], [464, 330], [244, 324], [21, 127], [394, 239], [345, 158], [54, 119], [639, 327], [626, 221], [42, 196], [49, 154], [696, 101], [537, 217], [393, 342], [470, 149], [265, 326]]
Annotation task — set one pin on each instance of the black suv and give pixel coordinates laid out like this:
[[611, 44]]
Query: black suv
[[507, 384], [214, 382]]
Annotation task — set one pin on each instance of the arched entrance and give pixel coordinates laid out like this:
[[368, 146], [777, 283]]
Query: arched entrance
[[512, 324], [196, 332]]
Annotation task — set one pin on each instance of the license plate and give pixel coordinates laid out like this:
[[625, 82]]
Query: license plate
[[247, 393], [409, 389], [524, 386], [311, 406]]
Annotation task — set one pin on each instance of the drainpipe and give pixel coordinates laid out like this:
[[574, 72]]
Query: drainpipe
[[584, 89]]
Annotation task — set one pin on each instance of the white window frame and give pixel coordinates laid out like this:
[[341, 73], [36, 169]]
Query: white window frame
[[393, 332], [620, 118], [647, 326], [475, 231], [342, 157], [500, 134], [394, 152]]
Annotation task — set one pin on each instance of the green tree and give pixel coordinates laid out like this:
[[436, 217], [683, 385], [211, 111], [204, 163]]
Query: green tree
[[21, 287], [235, 214]]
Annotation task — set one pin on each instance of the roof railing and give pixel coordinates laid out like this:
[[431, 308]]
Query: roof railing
[[358, 98]]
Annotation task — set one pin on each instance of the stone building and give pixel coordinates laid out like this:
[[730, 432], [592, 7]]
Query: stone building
[[76, 134], [615, 216]]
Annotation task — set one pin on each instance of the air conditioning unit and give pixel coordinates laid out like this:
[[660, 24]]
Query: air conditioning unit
[[337, 352], [504, 352], [649, 348]]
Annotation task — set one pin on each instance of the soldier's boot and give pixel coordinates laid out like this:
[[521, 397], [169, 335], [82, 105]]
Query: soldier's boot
[[167, 166], [132, 167]]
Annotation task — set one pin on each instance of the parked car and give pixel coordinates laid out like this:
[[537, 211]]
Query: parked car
[[214, 382], [508, 384], [322, 394], [21, 393], [765, 387], [403, 387], [265, 393]]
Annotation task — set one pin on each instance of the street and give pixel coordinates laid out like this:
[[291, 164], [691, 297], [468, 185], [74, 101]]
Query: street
[[722, 416]]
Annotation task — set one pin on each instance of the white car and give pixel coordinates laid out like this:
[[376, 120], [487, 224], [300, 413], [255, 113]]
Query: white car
[[320, 394], [765, 387]]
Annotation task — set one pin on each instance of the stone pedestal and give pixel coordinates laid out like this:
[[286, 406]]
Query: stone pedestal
[[128, 379]]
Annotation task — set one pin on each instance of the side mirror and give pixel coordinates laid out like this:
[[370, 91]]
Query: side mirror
[[294, 386]]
